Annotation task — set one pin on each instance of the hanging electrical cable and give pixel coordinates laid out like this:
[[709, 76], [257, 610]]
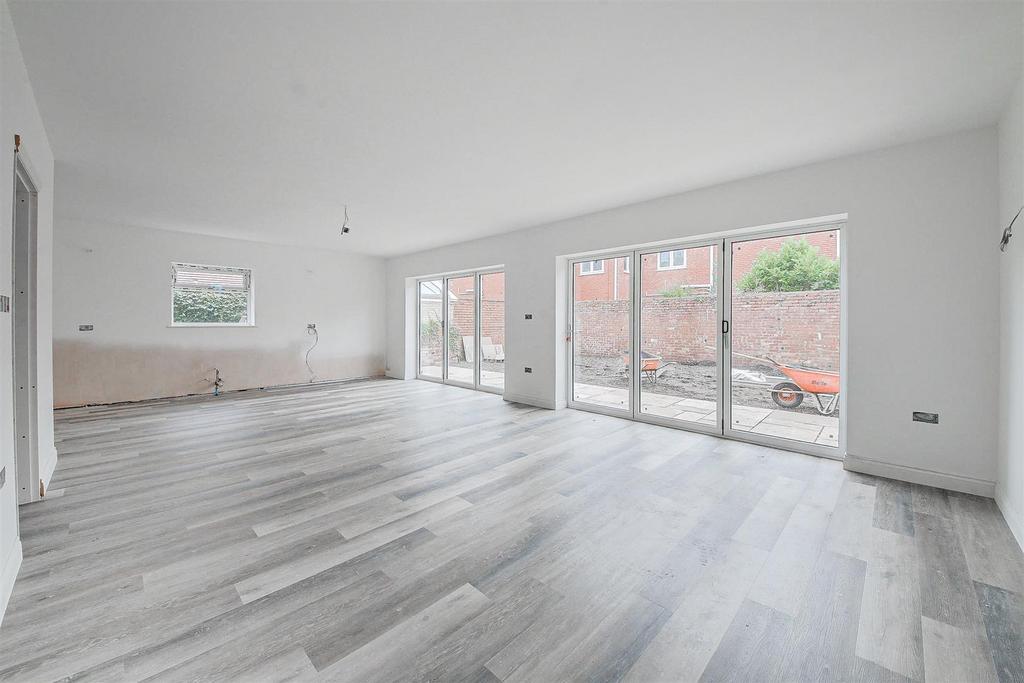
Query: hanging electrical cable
[[344, 225], [311, 330]]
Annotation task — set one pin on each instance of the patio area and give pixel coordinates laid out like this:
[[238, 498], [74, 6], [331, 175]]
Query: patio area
[[787, 424]]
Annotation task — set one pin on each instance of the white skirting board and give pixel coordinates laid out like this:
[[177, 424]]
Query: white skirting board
[[529, 400], [8, 573], [916, 475], [47, 465], [1014, 518]]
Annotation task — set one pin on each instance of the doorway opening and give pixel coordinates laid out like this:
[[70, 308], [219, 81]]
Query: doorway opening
[[461, 330], [736, 337], [23, 325]]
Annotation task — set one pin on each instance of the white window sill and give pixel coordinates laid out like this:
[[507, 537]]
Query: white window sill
[[593, 272], [671, 267]]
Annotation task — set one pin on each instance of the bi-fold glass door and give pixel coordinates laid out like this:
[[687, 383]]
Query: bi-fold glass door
[[461, 330], [737, 337]]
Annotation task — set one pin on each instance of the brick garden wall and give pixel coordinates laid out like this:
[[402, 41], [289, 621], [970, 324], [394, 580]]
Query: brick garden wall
[[791, 327], [492, 320]]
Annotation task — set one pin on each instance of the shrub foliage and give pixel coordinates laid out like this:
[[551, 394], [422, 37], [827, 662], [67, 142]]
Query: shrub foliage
[[795, 267], [205, 306]]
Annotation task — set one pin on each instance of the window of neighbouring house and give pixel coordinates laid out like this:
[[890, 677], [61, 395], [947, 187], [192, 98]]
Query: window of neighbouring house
[[211, 295], [667, 260], [591, 267], [625, 264]]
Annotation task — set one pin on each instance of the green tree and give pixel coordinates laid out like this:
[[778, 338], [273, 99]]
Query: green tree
[[205, 306], [794, 267]]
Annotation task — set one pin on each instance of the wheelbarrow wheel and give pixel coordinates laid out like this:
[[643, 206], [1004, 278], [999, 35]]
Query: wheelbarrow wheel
[[787, 395]]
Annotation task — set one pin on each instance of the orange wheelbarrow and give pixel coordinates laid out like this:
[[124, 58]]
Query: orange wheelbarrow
[[650, 365], [823, 385]]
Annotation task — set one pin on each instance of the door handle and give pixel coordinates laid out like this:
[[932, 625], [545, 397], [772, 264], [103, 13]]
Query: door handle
[[725, 327]]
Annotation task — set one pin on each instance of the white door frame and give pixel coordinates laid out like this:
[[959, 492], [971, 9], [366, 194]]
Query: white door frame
[[24, 238], [724, 356]]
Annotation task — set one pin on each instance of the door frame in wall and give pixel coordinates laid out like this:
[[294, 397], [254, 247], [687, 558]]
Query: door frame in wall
[[477, 322], [24, 365], [724, 360]]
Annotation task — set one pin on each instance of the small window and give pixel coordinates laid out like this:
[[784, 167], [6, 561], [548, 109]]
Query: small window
[[591, 267], [211, 295], [669, 260]]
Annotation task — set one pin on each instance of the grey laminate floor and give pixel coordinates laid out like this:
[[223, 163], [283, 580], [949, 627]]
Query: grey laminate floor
[[390, 530]]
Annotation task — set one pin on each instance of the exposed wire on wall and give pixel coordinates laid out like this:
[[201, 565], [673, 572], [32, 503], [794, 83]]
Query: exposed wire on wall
[[217, 382], [1008, 233], [311, 329]]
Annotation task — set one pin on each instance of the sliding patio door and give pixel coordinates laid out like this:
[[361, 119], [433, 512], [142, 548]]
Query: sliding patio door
[[461, 338], [492, 331], [601, 338], [430, 346], [738, 336], [784, 312], [679, 328]]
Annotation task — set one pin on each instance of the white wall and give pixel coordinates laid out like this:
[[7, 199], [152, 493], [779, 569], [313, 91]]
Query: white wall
[[922, 293], [18, 114], [118, 279], [1010, 490]]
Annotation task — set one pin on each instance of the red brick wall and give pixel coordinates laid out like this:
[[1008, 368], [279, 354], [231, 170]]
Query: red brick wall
[[783, 325], [492, 319], [492, 308], [791, 327]]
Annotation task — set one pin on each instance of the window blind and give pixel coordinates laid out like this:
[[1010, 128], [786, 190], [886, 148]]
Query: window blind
[[214, 278]]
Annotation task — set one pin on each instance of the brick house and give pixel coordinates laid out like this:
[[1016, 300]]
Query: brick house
[[608, 279]]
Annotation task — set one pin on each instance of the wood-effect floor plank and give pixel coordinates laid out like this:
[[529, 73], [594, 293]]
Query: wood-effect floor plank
[[383, 531]]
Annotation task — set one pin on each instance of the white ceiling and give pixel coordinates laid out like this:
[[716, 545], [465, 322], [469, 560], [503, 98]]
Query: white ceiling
[[438, 123]]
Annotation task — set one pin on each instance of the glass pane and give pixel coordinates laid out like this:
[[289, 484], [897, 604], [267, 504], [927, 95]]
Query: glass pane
[[600, 340], [679, 336], [430, 328], [492, 330], [785, 337], [210, 306], [461, 328]]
